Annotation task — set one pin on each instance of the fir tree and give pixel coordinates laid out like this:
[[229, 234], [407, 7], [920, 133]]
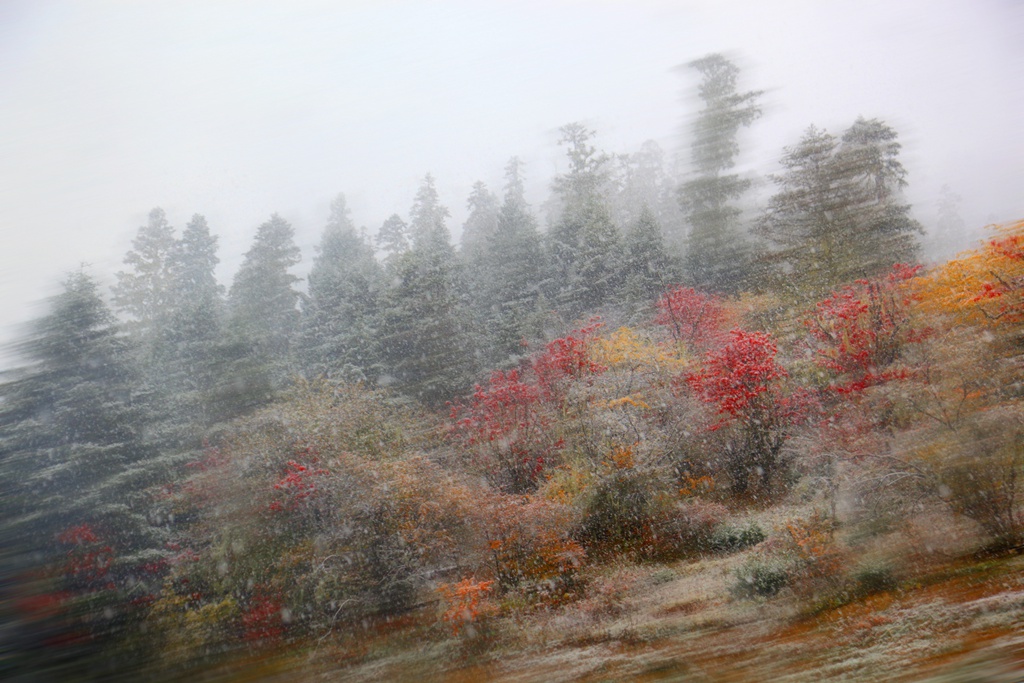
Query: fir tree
[[838, 214], [584, 242], [425, 349], [510, 296], [263, 316], [339, 315], [645, 265], [718, 250], [71, 432]]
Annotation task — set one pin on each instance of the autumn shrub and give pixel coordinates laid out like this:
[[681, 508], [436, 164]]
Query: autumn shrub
[[694, 318], [531, 552], [509, 428], [617, 514], [874, 577], [858, 333], [308, 528], [743, 382], [468, 609], [682, 528], [981, 473], [817, 559]]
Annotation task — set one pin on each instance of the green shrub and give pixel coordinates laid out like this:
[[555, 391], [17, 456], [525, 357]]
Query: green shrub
[[728, 538], [874, 577], [758, 577]]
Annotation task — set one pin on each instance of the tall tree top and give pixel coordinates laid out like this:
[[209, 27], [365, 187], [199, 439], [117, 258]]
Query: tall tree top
[[482, 221], [142, 291], [427, 217], [725, 111], [587, 167]]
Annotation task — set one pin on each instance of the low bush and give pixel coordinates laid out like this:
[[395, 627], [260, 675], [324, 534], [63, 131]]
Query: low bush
[[729, 538], [760, 578]]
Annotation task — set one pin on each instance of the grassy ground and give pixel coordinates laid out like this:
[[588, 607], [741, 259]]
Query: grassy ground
[[951, 618]]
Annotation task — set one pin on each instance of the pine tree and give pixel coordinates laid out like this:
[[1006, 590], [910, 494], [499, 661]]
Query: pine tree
[[339, 316], [393, 238], [143, 293], [480, 226], [645, 265], [194, 329], [584, 242], [511, 294], [71, 433], [263, 316], [838, 214], [425, 350], [718, 250]]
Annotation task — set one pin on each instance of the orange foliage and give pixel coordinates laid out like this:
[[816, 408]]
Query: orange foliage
[[984, 286], [466, 603]]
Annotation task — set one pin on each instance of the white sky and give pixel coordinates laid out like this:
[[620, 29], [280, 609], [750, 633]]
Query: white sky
[[239, 109]]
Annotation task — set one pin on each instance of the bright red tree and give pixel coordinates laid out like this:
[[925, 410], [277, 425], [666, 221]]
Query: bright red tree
[[695, 318], [743, 381], [859, 332]]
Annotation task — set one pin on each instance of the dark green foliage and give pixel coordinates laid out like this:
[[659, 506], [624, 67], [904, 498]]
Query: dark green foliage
[[729, 538], [71, 432], [874, 577], [718, 249], [508, 290], [584, 243], [340, 314], [758, 577], [263, 315], [188, 340], [617, 514], [645, 266], [838, 215], [425, 349]]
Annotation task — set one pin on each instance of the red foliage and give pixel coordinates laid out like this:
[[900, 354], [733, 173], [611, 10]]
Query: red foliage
[[298, 484], [858, 333], [88, 559], [506, 408], [262, 621], [693, 317], [738, 377], [565, 358], [509, 418]]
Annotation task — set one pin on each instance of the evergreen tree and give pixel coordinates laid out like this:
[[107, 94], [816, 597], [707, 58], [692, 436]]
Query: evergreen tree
[[171, 298], [838, 214], [584, 242], [193, 332], [263, 315], [718, 251], [645, 265], [393, 238], [143, 293], [511, 294], [641, 181], [339, 315], [425, 349], [480, 226], [70, 432]]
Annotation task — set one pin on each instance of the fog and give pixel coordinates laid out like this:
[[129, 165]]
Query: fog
[[236, 110]]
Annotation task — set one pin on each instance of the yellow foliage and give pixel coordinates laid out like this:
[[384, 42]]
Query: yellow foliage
[[626, 349], [984, 286], [621, 458]]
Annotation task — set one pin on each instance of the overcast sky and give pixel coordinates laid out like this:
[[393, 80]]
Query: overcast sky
[[236, 110]]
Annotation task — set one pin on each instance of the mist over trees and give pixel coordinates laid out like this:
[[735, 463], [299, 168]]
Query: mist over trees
[[273, 461]]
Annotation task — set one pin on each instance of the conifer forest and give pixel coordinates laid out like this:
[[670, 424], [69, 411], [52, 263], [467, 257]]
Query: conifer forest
[[657, 425]]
